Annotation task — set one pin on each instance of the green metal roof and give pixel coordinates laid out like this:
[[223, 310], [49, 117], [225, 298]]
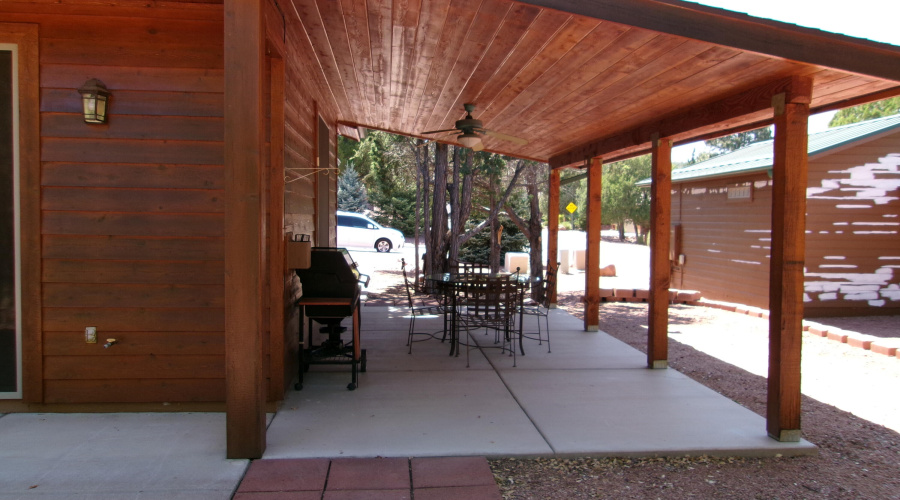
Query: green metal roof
[[758, 157]]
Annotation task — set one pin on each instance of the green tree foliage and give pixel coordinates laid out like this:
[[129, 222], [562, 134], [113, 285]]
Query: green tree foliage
[[351, 191], [622, 199], [478, 247], [863, 112], [387, 169], [733, 142], [573, 192]]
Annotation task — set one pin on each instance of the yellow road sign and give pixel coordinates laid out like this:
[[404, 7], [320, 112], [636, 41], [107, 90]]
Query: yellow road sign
[[571, 207]]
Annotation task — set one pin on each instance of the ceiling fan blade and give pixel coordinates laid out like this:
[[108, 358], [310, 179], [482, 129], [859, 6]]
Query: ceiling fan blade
[[439, 131], [505, 137]]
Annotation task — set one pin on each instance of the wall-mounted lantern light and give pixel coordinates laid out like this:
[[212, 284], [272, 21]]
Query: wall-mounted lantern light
[[95, 97]]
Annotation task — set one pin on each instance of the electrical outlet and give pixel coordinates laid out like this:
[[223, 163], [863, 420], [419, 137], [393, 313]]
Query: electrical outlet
[[90, 334]]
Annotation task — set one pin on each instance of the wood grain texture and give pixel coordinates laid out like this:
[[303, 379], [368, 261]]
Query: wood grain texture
[[118, 175], [107, 247], [134, 319], [660, 222], [553, 228], [133, 224], [135, 390], [244, 158], [562, 80], [786, 270], [592, 254], [151, 295], [137, 343]]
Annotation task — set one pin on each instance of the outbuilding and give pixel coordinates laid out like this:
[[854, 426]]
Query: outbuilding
[[721, 219]]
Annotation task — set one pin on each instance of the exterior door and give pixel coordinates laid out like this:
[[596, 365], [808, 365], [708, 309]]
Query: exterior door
[[10, 300]]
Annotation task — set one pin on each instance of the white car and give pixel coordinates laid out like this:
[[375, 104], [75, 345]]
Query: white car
[[357, 230]]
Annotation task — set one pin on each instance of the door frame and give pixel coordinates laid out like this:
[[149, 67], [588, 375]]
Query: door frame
[[27, 126]]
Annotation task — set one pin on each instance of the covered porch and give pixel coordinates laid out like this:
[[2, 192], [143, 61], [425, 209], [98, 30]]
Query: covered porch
[[591, 396], [583, 84]]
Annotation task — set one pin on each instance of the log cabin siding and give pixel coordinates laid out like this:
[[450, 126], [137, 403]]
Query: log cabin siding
[[852, 233], [132, 211], [132, 214]]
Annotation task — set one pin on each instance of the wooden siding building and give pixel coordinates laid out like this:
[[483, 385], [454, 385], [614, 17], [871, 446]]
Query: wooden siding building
[[721, 218], [164, 228]]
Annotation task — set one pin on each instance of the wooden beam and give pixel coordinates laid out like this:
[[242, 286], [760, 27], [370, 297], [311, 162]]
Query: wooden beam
[[740, 31], [660, 217], [244, 150], [553, 230], [786, 268], [749, 101], [592, 251]]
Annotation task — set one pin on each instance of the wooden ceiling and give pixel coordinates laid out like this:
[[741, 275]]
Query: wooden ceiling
[[569, 73]]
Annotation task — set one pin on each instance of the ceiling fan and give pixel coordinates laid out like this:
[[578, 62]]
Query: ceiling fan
[[469, 129]]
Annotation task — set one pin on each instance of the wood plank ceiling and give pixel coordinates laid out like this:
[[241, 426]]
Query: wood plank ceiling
[[558, 80]]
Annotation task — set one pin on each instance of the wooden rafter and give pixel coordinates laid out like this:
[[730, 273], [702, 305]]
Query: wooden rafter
[[740, 31], [755, 100]]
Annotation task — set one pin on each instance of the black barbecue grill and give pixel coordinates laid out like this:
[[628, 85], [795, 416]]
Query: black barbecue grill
[[331, 288]]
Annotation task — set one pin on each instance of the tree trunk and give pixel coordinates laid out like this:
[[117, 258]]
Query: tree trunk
[[495, 230], [536, 260], [426, 189], [421, 165], [437, 249], [455, 216]]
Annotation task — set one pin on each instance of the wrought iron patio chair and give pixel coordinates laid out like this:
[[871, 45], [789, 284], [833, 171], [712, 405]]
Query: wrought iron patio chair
[[489, 302], [540, 308], [427, 305]]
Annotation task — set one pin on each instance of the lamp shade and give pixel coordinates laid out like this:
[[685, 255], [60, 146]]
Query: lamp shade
[[469, 140], [94, 97]]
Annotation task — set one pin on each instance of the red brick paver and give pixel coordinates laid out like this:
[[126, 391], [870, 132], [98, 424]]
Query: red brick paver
[[433, 478]]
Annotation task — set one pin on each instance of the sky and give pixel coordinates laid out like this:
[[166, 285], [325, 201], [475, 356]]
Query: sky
[[877, 20], [872, 19]]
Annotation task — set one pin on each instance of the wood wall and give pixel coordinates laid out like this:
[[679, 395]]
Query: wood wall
[[852, 239], [853, 230], [726, 243], [131, 211]]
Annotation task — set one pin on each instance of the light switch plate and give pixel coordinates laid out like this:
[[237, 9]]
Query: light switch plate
[[90, 334]]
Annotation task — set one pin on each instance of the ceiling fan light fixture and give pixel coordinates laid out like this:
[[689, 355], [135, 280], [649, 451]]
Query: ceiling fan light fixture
[[469, 140]]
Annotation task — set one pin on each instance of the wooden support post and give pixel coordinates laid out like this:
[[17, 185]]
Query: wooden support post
[[786, 266], [592, 251], [660, 217], [279, 376], [553, 229], [244, 154]]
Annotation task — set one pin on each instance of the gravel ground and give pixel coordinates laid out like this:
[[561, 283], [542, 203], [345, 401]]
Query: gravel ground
[[857, 457]]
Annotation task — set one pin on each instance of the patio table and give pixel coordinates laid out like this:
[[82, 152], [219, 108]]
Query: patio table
[[454, 283]]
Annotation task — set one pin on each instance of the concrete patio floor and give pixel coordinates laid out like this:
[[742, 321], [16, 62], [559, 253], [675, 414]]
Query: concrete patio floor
[[593, 395]]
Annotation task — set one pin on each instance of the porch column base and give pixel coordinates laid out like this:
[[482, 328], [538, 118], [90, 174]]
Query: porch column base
[[787, 436], [592, 328], [660, 364]]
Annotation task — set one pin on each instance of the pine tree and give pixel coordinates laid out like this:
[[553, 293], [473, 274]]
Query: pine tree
[[351, 191], [863, 112]]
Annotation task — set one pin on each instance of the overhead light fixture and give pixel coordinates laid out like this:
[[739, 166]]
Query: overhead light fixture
[[94, 97], [469, 140]]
